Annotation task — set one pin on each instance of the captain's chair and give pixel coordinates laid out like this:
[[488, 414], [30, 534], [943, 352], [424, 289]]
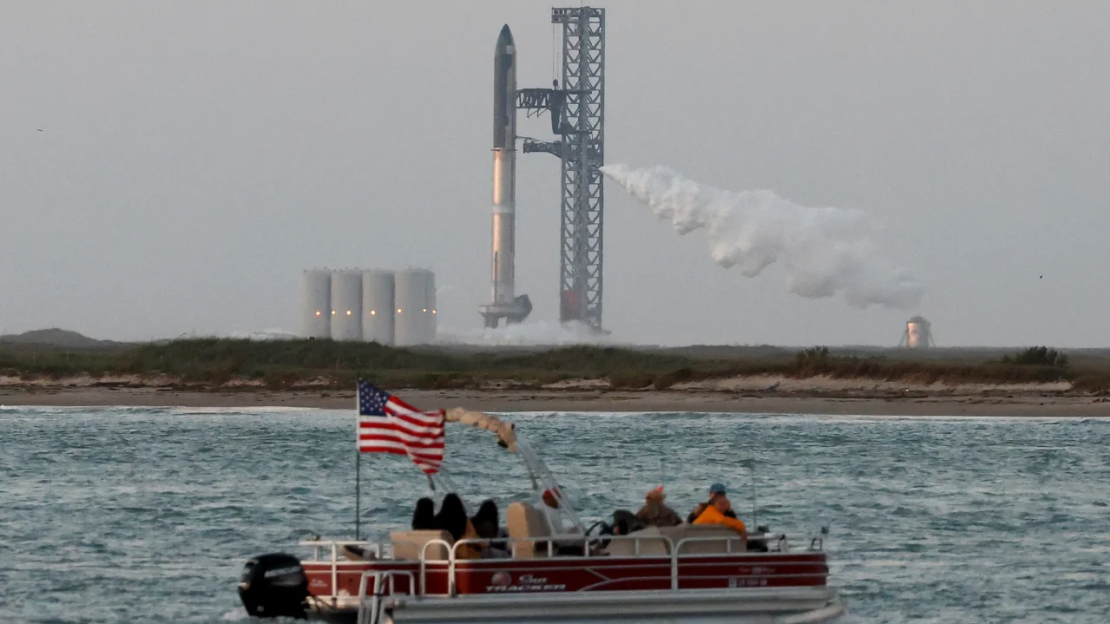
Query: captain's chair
[[410, 545], [525, 525]]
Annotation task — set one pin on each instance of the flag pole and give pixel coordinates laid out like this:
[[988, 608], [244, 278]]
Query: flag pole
[[358, 498], [358, 468]]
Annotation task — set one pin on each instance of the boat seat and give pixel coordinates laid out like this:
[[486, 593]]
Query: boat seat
[[729, 540], [649, 547], [410, 545], [525, 524]]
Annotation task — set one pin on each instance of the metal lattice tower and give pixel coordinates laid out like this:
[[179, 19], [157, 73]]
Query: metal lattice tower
[[577, 110]]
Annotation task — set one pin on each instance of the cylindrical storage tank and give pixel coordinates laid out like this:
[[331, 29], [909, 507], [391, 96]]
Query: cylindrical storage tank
[[411, 288], [377, 307], [316, 304], [346, 305]]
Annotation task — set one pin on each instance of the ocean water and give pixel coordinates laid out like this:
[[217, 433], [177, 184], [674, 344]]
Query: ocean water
[[147, 515]]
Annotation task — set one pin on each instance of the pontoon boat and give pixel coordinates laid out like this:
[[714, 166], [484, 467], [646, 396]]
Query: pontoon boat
[[682, 572]]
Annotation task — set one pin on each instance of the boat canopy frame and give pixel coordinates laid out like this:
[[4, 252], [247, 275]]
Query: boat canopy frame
[[541, 477]]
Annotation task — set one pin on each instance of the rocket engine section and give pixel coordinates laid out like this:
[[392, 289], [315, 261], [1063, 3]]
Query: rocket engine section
[[918, 334]]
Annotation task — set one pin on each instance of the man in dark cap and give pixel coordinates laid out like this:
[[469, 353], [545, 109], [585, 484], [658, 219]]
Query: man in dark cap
[[715, 491]]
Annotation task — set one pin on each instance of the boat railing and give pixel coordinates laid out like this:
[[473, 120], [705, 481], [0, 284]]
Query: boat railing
[[676, 552], [383, 549], [451, 556], [375, 549], [333, 546], [369, 607]]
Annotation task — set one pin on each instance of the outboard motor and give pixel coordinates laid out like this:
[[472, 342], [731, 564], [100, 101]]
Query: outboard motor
[[273, 586]]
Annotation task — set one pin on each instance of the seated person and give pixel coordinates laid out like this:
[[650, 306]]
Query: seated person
[[486, 521], [452, 518], [655, 512], [424, 516], [715, 514], [486, 525], [715, 490], [625, 522]]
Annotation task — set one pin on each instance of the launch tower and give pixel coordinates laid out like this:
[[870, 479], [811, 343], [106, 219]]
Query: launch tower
[[577, 109]]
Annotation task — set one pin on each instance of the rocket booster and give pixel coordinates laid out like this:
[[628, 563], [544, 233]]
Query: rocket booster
[[504, 167], [505, 303]]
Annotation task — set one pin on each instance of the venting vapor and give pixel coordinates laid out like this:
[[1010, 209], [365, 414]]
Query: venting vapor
[[824, 251]]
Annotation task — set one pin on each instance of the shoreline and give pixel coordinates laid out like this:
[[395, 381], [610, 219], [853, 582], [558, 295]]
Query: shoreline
[[814, 401]]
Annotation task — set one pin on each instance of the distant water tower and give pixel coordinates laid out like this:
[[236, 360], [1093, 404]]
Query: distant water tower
[[918, 334]]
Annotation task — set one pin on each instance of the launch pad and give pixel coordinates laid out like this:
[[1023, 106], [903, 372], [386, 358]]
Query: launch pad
[[577, 110]]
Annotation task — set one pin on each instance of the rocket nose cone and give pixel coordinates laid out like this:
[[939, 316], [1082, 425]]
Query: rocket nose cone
[[506, 36]]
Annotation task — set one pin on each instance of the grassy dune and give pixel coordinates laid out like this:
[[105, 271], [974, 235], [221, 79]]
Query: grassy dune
[[291, 364]]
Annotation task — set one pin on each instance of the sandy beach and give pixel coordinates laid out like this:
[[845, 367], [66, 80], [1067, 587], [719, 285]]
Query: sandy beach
[[747, 395]]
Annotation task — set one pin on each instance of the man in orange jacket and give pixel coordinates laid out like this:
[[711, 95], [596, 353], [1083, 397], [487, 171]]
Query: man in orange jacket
[[715, 514], [715, 490]]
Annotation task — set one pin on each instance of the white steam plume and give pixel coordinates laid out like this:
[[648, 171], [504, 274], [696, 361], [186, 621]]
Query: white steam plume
[[531, 333], [823, 250]]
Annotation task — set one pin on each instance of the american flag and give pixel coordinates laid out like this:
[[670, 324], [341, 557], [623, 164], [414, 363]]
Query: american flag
[[387, 424]]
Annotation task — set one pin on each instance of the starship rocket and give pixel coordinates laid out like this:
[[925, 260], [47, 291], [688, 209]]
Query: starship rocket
[[505, 304]]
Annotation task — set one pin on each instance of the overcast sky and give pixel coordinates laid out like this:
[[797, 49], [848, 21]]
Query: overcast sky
[[196, 156]]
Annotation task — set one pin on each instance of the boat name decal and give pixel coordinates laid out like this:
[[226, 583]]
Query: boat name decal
[[502, 582], [746, 582]]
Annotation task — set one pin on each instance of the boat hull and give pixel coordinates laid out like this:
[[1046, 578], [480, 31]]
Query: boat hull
[[749, 606], [768, 588], [571, 575]]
